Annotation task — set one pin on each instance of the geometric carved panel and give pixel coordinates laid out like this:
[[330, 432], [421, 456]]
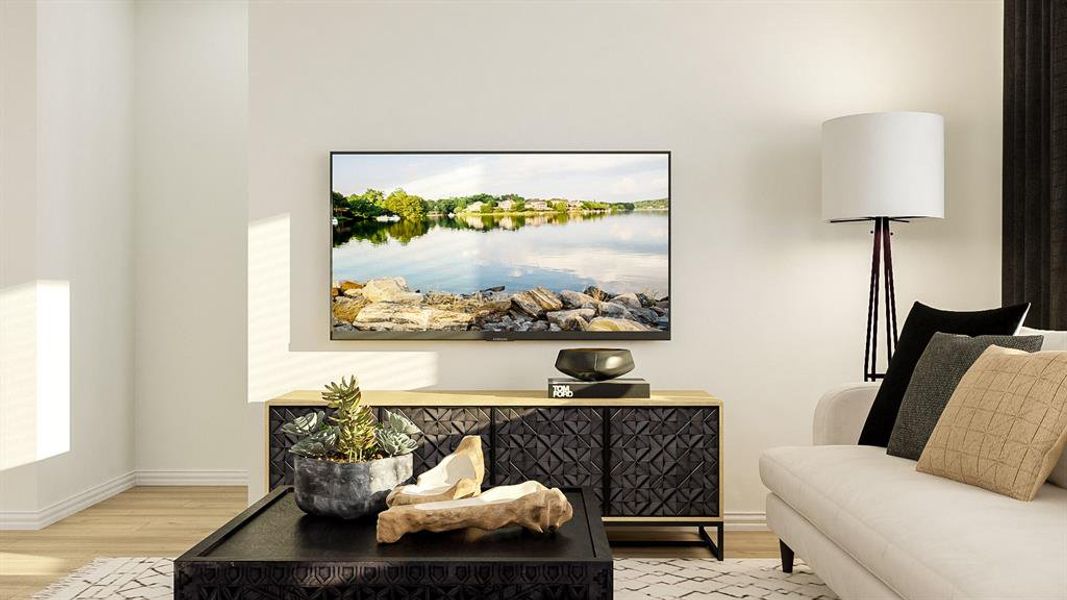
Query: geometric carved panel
[[442, 429], [279, 461], [402, 580], [664, 461], [559, 447]]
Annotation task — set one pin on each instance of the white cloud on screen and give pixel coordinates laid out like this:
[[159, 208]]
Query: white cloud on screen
[[456, 182], [601, 177]]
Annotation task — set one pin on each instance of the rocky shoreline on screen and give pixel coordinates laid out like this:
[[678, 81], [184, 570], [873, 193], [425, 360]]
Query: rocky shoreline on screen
[[388, 304]]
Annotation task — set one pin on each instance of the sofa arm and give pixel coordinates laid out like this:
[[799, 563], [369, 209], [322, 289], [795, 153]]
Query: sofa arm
[[841, 412]]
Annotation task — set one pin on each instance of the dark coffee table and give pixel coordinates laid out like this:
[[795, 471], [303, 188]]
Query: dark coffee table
[[274, 551]]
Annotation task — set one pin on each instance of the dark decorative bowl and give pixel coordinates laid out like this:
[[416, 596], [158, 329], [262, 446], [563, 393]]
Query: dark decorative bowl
[[595, 364]]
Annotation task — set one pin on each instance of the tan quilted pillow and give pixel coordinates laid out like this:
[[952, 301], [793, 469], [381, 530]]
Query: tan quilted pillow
[[1005, 426]]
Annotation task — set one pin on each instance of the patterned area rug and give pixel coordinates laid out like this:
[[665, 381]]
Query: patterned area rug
[[140, 577], [635, 579], [707, 579]]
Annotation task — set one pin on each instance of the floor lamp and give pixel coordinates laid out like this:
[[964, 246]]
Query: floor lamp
[[883, 167]]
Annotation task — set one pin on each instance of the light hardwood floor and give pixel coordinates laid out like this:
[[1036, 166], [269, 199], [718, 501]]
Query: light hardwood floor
[[167, 521]]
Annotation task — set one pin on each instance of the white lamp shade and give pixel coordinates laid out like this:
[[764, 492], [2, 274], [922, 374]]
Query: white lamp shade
[[889, 164]]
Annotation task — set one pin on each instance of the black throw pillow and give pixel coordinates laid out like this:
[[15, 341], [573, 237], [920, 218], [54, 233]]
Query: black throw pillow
[[921, 325]]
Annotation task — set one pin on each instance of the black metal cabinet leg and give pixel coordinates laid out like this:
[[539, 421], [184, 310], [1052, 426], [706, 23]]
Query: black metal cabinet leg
[[716, 548], [787, 557], [722, 541], [716, 545]]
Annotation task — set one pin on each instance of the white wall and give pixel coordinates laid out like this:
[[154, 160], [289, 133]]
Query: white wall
[[18, 255], [191, 218], [769, 302], [235, 107], [76, 213]]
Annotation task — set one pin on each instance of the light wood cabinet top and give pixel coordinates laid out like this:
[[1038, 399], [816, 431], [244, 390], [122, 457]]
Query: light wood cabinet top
[[501, 398]]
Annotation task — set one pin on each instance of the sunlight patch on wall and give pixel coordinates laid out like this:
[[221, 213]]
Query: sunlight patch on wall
[[34, 372], [272, 368]]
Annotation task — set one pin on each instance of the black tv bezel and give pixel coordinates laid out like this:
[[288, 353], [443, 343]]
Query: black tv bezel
[[502, 336]]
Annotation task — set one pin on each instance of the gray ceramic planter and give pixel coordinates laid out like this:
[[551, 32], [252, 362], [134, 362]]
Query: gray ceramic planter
[[347, 490]]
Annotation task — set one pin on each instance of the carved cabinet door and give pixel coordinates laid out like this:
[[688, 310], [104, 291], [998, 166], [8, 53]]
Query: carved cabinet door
[[560, 447], [664, 461]]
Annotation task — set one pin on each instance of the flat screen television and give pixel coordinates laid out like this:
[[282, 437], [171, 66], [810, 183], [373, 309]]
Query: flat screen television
[[500, 245]]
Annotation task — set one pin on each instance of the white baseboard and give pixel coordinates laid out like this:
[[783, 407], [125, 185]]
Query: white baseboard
[[746, 521], [30, 520], [39, 519], [153, 477]]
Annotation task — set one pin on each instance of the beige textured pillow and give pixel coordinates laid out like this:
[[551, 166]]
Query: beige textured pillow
[[1005, 426]]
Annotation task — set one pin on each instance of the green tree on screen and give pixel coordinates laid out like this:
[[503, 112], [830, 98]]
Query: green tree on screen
[[338, 200], [408, 206]]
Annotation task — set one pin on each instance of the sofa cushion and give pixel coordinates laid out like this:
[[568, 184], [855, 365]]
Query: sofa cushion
[[921, 325], [940, 369], [924, 536], [1006, 425], [1054, 340]]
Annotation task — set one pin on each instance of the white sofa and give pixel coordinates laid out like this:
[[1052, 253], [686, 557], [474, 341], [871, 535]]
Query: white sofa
[[873, 527]]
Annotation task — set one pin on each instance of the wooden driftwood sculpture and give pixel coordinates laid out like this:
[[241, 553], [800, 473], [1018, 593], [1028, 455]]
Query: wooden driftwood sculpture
[[530, 505], [458, 475]]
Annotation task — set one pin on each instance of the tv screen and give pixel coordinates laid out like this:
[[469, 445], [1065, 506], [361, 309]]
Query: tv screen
[[500, 245]]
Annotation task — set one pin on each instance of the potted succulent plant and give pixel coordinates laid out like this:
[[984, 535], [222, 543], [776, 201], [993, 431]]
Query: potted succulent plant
[[347, 463]]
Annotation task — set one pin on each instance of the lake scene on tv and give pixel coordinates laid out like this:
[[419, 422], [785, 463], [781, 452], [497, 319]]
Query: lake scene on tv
[[500, 243]]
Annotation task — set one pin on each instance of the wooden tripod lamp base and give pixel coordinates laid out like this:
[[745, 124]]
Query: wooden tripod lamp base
[[881, 266]]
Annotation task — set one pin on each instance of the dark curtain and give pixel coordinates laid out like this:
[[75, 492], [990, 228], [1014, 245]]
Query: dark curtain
[[1035, 159]]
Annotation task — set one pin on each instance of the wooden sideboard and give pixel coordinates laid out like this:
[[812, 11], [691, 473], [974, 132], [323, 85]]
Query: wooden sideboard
[[648, 461]]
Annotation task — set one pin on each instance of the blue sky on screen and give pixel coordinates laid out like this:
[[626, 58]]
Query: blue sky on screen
[[598, 177]]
